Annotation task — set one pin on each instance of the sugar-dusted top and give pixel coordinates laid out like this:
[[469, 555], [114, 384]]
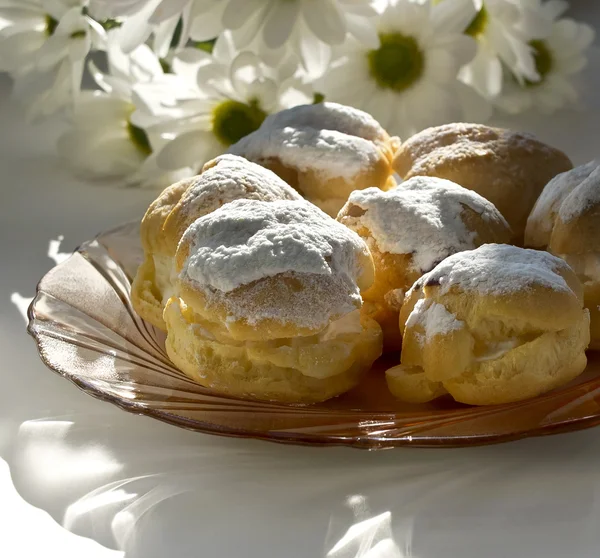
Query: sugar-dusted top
[[329, 116], [228, 178], [332, 139], [248, 240], [423, 216], [496, 269], [583, 197], [462, 140], [433, 318], [568, 194]]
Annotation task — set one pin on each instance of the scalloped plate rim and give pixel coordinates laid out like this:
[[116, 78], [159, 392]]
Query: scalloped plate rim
[[369, 443]]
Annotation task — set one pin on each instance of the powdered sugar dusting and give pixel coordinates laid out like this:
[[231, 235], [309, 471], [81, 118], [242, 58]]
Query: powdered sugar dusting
[[422, 216], [585, 196], [229, 178], [556, 193], [433, 318], [461, 141], [496, 269], [314, 303], [248, 240], [329, 116], [332, 139]]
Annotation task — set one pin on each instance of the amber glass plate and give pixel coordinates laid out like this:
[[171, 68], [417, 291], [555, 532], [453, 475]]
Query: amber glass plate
[[87, 331]]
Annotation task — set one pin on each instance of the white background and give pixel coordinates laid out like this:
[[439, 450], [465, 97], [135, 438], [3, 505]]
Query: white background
[[149, 490]]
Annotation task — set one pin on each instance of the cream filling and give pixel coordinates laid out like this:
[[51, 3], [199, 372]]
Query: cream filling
[[164, 277], [394, 299], [348, 324], [586, 266], [497, 350]]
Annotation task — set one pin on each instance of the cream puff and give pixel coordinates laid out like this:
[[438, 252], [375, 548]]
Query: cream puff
[[409, 230], [267, 303], [324, 150], [222, 180], [492, 325], [508, 168], [566, 221]]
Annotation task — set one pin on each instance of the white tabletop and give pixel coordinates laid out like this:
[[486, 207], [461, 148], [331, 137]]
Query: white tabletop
[[135, 485]]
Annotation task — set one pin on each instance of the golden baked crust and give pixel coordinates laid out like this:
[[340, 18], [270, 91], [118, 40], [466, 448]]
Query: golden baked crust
[[267, 303], [489, 326], [325, 151], [566, 221], [411, 228], [147, 286], [508, 168], [223, 179], [289, 303], [294, 370]]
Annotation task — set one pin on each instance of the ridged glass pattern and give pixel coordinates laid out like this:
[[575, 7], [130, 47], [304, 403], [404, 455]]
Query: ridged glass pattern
[[87, 331]]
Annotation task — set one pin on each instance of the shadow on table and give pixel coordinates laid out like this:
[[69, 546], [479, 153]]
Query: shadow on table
[[152, 490]]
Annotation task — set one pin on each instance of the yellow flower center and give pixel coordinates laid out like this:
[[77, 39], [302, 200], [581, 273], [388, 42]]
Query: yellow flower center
[[51, 25], [543, 61], [139, 138], [398, 63], [233, 120], [478, 24]]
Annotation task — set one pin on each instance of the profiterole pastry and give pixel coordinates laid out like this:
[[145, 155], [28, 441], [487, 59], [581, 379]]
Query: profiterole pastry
[[267, 303], [508, 168], [409, 230], [566, 221], [492, 325], [222, 180], [324, 150]]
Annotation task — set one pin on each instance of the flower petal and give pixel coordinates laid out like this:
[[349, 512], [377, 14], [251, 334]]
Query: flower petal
[[79, 48], [95, 109], [206, 25], [224, 49], [273, 58], [363, 30], [325, 20], [144, 64], [136, 29], [186, 150], [265, 92], [293, 94], [484, 73], [315, 55], [187, 62], [167, 9], [19, 50], [163, 35], [453, 16], [244, 70], [279, 23], [237, 12], [247, 34], [54, 49]]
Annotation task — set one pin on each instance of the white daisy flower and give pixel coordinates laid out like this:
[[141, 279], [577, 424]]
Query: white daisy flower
[[557, 58], [409, 82], [275, 20], [235, 92], [164, 19], [502, 29], [43, 46], [307, 28], [105, 140], [269, 28]]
